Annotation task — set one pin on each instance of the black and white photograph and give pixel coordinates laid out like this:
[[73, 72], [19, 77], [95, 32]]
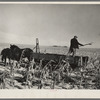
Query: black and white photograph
[[49, 46]]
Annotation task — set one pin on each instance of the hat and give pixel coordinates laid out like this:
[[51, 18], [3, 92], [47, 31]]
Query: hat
[[75, 37]]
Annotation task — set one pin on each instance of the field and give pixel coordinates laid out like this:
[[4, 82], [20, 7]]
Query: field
[[83, 77]]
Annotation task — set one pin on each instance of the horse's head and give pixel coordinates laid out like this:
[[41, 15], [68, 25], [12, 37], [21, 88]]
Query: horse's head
[[13, 47], [15, 52]]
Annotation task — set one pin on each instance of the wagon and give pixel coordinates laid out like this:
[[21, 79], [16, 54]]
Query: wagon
[[73, 61]]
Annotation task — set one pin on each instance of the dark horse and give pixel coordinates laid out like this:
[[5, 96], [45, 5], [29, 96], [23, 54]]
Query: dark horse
[[16, 53], [6, 53]]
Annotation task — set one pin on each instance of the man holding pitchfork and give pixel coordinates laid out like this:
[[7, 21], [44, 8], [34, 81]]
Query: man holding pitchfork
[[74, 44]]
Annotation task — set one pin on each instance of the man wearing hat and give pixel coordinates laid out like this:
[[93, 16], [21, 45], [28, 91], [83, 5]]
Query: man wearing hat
[[74, 44]]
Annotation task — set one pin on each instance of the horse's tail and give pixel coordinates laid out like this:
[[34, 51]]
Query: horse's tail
[[2, 57], [2, 52]]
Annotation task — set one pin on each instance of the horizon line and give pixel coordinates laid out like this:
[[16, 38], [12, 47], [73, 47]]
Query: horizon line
[[47, 45]]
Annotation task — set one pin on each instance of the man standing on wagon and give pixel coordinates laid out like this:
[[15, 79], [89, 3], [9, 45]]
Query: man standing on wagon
[[74, 44]]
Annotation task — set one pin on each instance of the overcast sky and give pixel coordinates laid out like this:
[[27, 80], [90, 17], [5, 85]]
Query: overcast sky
[[52, 24]]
